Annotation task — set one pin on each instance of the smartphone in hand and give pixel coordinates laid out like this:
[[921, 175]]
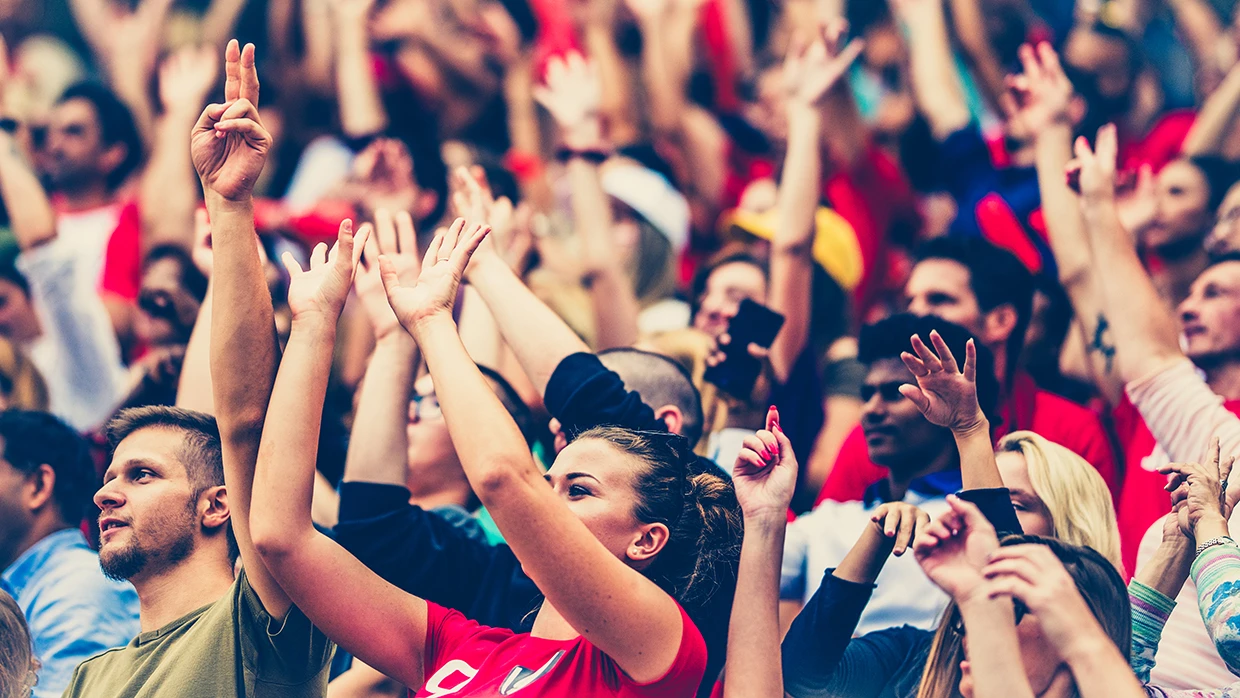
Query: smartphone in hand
[[752, 324]]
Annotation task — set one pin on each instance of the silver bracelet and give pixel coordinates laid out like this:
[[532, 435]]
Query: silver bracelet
[[1221, 540]]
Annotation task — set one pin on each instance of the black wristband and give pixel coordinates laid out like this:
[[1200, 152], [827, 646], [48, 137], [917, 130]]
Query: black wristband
[[593, 156]]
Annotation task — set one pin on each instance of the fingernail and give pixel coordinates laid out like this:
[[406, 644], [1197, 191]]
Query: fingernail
[[766, 455]]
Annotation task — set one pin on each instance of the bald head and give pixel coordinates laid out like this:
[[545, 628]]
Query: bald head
[[661, 383]]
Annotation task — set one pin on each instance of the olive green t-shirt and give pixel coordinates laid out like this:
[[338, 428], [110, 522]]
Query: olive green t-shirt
[[231, 648]]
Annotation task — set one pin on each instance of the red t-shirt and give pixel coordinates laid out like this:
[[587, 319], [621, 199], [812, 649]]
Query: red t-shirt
[[465, 659], [1143, 499], [1029, 408]]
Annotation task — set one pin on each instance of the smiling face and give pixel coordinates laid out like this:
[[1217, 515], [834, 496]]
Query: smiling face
[[1210, 316], [896, 433], [598, 483], [151, 516]]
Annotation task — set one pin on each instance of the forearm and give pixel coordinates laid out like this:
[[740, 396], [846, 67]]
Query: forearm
[[1145, 334], [1150, 611], [378, 444], [978, 469], [1168, 569], [537, 336], [316, 63], [31, 218], [994, 651], [791, 265], [194, 390], [617, 103], [169, 193], [220, 21], [361, 105], [1098, 668], [1215, 572], [971, 29], [865, 560], [1200, 29], [615, 309], [664, 89], [753, 634], [936, 87]]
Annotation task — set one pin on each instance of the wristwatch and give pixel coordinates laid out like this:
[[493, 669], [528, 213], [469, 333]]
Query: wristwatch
[[1221, 540]]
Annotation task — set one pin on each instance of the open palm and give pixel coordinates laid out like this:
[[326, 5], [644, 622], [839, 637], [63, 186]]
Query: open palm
[[443, 266], [955, 548], [395, 239], [946, 395], [812, 69], [229, 145], [323, 288]]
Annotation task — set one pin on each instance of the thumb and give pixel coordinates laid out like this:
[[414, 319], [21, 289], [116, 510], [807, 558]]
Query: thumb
[[916, 396], [969, 514], [387, 274]]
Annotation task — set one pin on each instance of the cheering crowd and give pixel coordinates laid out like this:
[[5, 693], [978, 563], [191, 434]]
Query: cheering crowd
[[665, 348]]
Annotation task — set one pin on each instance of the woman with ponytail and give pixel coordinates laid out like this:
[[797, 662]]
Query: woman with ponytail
[[633, 545]]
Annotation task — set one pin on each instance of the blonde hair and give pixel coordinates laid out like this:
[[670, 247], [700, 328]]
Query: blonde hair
[[1075, 495], [21, 386], [1082, 514]]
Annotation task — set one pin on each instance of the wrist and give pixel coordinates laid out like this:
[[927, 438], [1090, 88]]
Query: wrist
[[975, 425], [316, 321], [765, 520], [1213, 526], [1088, 645], [217, 204], [587, 134], [435, 321], [393, 338]]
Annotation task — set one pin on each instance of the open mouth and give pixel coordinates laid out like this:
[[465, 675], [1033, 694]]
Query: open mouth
[[110, 525]]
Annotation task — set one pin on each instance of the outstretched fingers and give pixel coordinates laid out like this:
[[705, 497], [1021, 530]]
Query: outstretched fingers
[[232, 71], [249, 75]]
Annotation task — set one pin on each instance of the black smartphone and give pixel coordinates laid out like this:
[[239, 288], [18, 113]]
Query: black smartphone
[[752, 324]]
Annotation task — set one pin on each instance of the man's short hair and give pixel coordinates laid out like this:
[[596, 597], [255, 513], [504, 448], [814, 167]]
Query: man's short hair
[[886, 339], [532, 428], [31, 439], [116, 125], [660, 381], [200, 451], [996, 278], [1223, 259]]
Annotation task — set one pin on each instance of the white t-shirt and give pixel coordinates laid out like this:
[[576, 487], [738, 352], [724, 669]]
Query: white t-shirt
[[87, 234], [819, 540]]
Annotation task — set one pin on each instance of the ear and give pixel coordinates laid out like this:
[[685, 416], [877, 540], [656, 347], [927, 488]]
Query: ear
[[113, 157], [213, 505], [425, 203], [648, 543], [38, 488], [998, 325], [672, 417]]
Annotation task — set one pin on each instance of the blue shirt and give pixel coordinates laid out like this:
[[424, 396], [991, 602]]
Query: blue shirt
[[74, 612]]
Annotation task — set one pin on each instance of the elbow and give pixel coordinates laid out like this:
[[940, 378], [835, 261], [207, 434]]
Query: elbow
[[503, 477], [270, 540]]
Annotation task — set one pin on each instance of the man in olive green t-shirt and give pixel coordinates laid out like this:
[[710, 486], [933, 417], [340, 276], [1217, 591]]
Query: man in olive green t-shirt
[[176, 497]]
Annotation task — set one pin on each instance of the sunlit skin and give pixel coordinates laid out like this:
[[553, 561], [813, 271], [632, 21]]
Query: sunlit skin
[[1039, 658], [1210, 316], [728, 285], [1225, 236]]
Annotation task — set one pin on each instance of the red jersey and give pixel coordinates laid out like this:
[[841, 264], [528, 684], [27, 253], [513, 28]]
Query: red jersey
[[468, 660], [1143, 499], [1028, 407]]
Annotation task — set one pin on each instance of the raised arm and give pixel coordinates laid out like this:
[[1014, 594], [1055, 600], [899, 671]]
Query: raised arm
[[194, 391], [810, 72], [1143, 331], [229, 147], [373, 620], [616, 608], [379, 444], [168, 193], [1216, 118], [936, 85], [573, 95], [947, 396], [970, 26], [220, 20], [765, 477], [357, 90]]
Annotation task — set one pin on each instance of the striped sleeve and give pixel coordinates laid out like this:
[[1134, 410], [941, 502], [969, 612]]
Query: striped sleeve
[[1150, 610], [1216, 572]]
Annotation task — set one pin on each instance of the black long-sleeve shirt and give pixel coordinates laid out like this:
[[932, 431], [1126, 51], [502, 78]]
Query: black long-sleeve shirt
[[821, 658]]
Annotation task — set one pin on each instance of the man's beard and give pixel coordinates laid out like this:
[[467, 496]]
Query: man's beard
[[133, 559]]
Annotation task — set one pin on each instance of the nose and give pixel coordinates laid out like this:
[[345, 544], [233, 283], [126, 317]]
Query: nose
[[874, 409], [1188, 310], [109, 497]]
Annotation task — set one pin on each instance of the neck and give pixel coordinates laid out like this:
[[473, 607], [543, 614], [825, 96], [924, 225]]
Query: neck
[[85, 197], [430, 492], [898, 480], [198, 580], [550, 625], [1224, 378], [999, 352], [37, 532]]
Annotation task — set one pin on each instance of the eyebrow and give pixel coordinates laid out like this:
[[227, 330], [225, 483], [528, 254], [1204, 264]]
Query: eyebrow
[[133, 463], [572, 476]]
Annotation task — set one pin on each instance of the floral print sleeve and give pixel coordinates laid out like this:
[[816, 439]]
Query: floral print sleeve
[[1216, 572], [1150, 610]]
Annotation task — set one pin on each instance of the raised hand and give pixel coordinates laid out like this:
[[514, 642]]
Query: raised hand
[[945, 394], [229, 144], [953, 549], [1204, 489], [900, 523], [443, 266], [1095, 168], [321, 290], [394, 238], [1032, 574], [573, 93], [812, 69], [186, 77], [1040, 96], [384, 171], [765, 474]]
